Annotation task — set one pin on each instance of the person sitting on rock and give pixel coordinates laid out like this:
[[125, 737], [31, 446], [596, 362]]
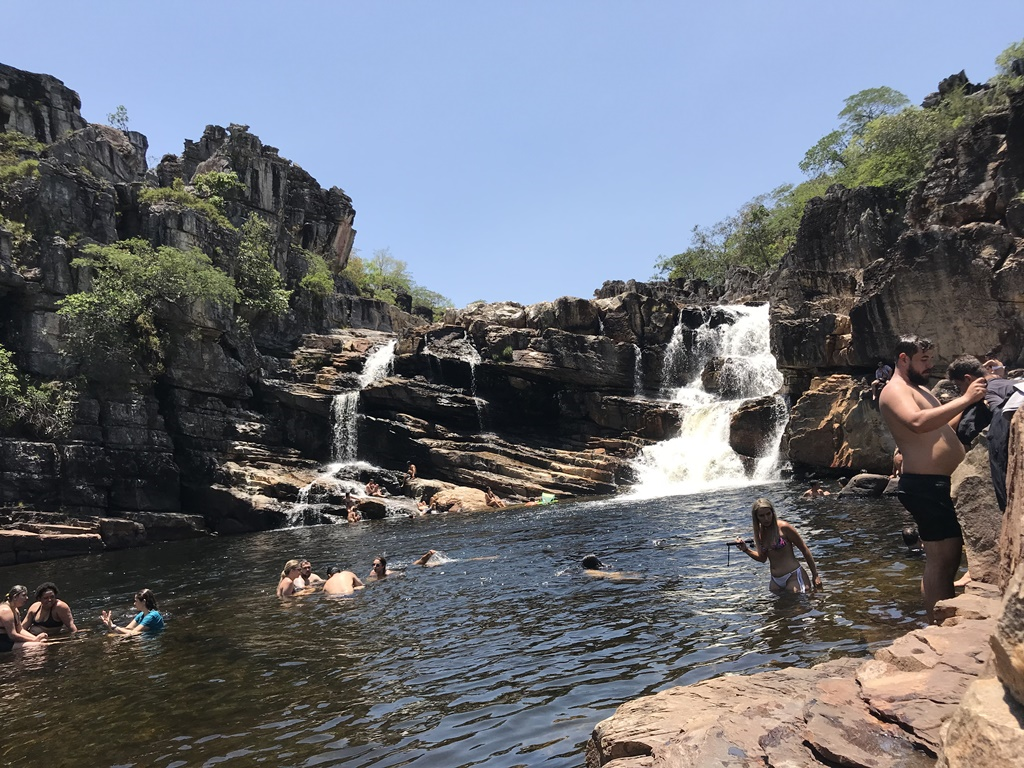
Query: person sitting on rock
[[373, 488], [410, 472], [882, 374], [492, 499], [897, 463]]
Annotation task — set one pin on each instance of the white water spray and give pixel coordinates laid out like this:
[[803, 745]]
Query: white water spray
[[345, 406], [700, 458]]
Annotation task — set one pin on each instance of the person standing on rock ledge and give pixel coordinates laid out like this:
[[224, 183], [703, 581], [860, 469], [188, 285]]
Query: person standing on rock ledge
[[931, 451]]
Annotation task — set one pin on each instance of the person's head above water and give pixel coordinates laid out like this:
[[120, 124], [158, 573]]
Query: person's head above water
[[911, 537], [815, 483], [592, 563]]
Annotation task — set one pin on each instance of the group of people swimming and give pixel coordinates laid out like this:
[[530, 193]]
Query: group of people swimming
[[297, 577], [49, 616]]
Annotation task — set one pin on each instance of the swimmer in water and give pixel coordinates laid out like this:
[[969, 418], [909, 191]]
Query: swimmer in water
[[592, 566], [341, 582], [48, 613], [775, 540]]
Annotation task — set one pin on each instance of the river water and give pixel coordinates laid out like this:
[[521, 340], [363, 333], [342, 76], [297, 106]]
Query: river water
[[505, 661]]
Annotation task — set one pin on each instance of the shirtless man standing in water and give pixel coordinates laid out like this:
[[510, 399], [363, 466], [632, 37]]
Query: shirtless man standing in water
[[931, 451]]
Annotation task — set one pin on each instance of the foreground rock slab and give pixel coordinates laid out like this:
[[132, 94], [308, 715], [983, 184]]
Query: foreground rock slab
[[886, 712]]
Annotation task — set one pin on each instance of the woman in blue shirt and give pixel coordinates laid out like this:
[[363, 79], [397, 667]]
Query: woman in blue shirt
[[148, 617]]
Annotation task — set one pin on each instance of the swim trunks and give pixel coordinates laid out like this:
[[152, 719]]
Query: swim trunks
[[927, 499]]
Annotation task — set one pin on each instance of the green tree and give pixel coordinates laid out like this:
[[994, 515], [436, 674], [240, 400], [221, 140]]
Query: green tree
[[125, 316], [260, 286], [45, 410], [318, 279], [118, 118], [870, 104], [216, 186]]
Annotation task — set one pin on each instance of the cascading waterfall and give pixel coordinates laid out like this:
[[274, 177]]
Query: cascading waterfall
[[638, 371], [700, 458], [345, 407]]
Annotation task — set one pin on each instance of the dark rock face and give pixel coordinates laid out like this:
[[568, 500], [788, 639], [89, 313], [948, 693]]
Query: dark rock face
[[864, 272], [39, 106]]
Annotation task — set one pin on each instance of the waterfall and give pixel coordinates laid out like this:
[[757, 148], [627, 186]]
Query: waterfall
[[460, 349], [345, 406], [742, 366], [638, 371], [345, 425]]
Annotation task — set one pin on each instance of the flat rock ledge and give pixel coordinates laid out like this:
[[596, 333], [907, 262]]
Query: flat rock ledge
[[886, 712]]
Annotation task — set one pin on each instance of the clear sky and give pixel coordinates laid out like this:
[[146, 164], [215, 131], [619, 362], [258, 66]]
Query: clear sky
[[521, 149]]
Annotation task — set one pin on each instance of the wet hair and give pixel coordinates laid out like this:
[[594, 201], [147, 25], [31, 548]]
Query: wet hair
[[333, 570], [13, 592], [304, 563], [965, 365], [46, 586], [911, 345], [762, 504], [288, 566], [591, 563], [911, 537], [815, 483], [383, 561], [147, 597]]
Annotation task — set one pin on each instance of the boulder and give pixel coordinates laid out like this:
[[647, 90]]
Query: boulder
[[866, 484], [985, 729], [979, 514], [121, 534], [754, 426]]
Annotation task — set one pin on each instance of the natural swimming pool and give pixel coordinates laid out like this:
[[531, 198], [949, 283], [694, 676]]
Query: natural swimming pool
[[498, 662]]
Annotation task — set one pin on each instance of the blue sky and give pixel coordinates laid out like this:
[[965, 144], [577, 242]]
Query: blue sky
[[512, 150]]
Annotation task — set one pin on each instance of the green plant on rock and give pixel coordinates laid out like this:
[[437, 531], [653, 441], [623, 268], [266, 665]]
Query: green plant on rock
[[318, 279], [26, 169], [260, 286], [45, 410], [122, 318], [177, 193], [118, 118], [383, 277], [216, 186]]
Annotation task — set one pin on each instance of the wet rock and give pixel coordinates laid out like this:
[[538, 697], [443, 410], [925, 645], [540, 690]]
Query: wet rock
[[866, 484], [754, 425], [121, 534]]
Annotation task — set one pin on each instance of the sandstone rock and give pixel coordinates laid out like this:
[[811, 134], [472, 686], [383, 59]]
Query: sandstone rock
[[985, 730], [979, 514], [1011, 537], [1008, 640], [169, 526]]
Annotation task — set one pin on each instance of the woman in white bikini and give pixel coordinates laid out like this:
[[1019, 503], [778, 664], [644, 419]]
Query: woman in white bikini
[[775, 540]]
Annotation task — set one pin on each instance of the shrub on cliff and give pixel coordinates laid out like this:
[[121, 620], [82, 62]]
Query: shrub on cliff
[[178, 194], [42, 411], [122, 318], [318, 279], [385, 277], [260, 286]]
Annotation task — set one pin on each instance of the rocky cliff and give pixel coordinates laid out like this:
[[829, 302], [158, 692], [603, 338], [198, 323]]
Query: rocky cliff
[[242, 408], [867, 268]]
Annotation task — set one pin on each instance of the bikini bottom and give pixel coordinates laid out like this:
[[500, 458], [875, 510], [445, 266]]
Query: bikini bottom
[[782, 581]]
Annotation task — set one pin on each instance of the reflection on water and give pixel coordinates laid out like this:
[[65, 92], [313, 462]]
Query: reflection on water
[[499, 662]]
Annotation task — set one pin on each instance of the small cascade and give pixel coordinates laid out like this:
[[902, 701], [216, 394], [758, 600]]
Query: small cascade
[[461, 349], [638, 371], [345, 425], [345, 406], [741, 367]]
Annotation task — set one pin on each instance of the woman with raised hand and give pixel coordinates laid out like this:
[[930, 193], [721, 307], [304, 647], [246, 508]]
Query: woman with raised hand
[[148, 618], [48, 613], [774, 540]]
